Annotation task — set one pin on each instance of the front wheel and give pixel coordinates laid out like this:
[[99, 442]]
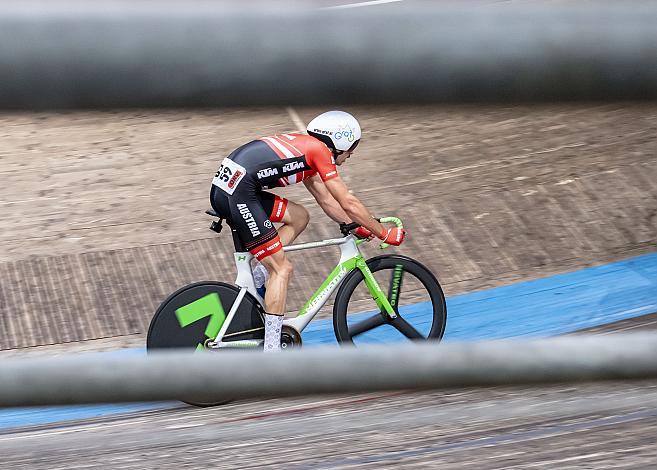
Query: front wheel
[[412, 290]]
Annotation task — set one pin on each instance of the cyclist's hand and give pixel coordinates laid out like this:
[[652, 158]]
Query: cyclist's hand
[[393, 236], [362, 233]]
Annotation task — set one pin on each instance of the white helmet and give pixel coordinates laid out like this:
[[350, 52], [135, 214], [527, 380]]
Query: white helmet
[[338, 130]]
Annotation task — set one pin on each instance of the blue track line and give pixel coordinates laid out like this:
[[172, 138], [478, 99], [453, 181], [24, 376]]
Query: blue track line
[[543, 307]]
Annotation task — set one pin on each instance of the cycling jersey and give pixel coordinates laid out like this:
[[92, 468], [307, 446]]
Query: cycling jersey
[[279, 160]]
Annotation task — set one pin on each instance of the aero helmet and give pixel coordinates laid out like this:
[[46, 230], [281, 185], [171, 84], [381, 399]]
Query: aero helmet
[[338, 130]]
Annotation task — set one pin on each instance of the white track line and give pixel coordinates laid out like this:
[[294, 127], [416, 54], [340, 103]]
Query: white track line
[[301, 127], [568, 459], [360, 4]]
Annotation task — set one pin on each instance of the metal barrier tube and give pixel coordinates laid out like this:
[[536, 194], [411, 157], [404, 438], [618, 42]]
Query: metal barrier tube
[[209, 376], [110, 53]]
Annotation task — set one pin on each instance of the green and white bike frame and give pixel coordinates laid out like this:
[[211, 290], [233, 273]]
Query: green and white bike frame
[[350, 258]]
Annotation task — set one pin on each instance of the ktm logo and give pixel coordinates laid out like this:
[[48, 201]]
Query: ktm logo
[[292, 166], [265, 172]]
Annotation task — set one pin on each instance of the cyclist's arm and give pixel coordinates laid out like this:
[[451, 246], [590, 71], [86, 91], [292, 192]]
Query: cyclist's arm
[[352, 205], [327, 202]]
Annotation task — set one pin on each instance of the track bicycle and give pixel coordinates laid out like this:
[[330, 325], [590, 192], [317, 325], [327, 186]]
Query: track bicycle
[[213, 315]]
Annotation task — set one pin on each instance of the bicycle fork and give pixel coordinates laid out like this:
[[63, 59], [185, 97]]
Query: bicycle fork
[[378, 295]]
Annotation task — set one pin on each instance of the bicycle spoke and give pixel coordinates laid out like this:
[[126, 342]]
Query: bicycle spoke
[[406, 328], [366, 325], [394, 290]]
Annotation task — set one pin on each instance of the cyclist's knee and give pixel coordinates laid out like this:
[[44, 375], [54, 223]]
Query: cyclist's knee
[[297, 216], [304, 219], [278, 265], [286, 269]]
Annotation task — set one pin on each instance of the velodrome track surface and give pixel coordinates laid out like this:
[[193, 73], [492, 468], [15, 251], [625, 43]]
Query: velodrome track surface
[[608, 425], [585, 299], [491, 196]]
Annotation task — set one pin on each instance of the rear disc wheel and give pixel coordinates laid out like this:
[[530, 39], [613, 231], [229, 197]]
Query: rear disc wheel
[[193, 315]]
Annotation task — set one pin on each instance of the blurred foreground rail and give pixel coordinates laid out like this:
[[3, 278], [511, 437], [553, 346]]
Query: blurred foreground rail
[[109, 53], [171, 375]]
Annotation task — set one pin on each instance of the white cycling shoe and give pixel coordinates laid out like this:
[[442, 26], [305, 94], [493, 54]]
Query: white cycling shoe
[[260, 276]]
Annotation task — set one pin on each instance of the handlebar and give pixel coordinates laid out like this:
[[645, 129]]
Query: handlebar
[[347, 228], [390, 220]]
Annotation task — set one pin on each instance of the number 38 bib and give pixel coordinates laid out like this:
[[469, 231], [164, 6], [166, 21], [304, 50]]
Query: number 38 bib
[[229, 175]]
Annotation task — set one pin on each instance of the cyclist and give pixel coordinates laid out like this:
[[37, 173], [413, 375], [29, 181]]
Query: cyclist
[[280, 160]]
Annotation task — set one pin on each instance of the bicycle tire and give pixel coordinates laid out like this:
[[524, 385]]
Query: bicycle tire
[[438, 307], [166, 331]]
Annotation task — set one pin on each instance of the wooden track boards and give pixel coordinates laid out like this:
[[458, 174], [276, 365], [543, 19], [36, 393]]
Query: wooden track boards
[[103, 212]]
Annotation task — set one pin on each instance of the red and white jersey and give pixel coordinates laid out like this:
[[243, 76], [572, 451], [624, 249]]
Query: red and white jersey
[[277, 160], [304, 157]]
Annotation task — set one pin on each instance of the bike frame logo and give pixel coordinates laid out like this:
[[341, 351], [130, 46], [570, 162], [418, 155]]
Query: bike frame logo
[[326, 292], [345, 133]]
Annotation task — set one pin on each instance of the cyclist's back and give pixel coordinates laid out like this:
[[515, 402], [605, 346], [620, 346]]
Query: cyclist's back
[[281, 160]]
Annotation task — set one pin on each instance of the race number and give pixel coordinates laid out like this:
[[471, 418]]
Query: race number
[[229, 175]]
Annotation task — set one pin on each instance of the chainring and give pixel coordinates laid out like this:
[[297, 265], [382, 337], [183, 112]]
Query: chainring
[[290, 338]]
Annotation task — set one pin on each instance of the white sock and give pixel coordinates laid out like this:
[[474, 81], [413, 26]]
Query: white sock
[[273, 325]]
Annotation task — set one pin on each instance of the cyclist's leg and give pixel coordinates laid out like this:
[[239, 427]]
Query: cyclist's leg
[[293, 216], [280, 271], [261, 238], [294, 222], [268, 248], [245, 212]]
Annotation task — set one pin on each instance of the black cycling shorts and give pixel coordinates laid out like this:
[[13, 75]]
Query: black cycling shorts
[[251, 212]]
